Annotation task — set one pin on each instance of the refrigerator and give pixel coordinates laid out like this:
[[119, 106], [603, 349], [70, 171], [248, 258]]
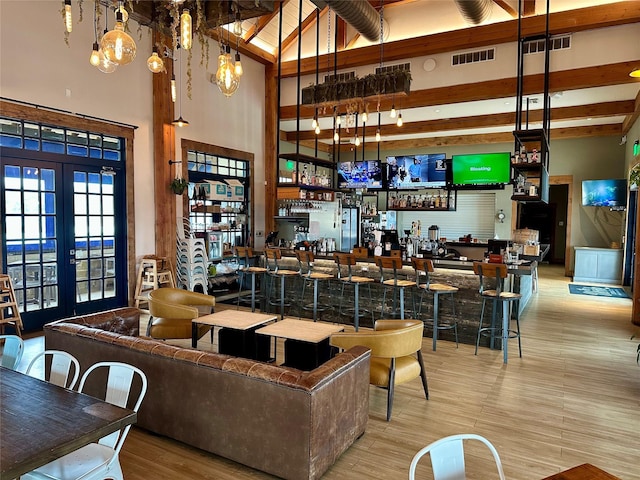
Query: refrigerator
[[350, 231]]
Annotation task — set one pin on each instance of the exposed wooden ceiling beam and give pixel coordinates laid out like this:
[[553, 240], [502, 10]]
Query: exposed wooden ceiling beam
[[480, 139], [631, 119], [562, 22], [307, 23], [247, 49], [564, 80], [503, 4], [529, 8], [606, 109], [263, 21]]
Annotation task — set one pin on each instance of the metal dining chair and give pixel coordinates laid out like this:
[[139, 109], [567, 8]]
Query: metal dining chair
[[59, 368], [12, 348], [98, 461]]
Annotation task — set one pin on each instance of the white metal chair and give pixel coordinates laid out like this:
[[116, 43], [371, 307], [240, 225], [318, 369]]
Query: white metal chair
[[447, 457], [60, 368], [98, 461], [12, 348]]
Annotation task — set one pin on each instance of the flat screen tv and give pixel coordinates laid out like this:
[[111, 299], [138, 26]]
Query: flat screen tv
[[366, 174], [604, 193], [481, 170], [417, 171]]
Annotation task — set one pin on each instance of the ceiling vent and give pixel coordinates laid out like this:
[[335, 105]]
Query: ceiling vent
[[557, 43], [473, 57]]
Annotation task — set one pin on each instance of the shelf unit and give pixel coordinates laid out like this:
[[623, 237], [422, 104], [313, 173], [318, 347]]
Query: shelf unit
[[422, 200], [536, 173]]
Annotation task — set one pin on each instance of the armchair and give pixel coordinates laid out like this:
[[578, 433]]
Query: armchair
[[395, 353], [173, 309]]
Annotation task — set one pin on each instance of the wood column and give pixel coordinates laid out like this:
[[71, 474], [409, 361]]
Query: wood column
[[272, 131], [164, 148]]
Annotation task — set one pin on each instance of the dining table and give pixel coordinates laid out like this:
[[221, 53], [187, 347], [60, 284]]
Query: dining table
[[40, 422], [586, 471]]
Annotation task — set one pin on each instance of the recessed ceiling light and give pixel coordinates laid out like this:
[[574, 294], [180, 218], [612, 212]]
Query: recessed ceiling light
[[589, 118], [437, 110], [507, 103]]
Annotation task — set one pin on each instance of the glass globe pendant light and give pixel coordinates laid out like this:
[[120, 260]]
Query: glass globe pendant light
[[117, 45], [104, 64], [226, 78], [154, 62]]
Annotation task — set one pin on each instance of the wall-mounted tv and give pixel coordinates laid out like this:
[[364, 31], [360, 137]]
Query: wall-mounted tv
[[367, 174], [604, 193], [417, 171], [481, 170]]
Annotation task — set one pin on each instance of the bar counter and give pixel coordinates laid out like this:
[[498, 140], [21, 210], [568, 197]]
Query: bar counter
[[468, 302]]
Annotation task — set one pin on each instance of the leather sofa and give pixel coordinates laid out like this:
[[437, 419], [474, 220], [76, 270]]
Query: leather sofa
[[286, 422]]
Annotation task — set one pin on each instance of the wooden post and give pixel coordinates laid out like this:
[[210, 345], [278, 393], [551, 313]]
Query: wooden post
[[272, 135]]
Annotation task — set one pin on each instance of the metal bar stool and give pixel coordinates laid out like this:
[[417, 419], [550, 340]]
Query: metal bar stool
[[305, 262], [273, 255], [247, 257], [348, 260], [393, 264], [497, 271], [423, 268]]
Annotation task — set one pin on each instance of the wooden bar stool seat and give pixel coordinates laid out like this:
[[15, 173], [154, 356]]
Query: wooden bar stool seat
[[305, 262], [424, 267], [501, 300], [348, 260], [247, 258], [391, 265]]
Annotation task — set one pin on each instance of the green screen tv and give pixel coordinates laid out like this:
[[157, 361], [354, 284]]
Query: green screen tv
[[481, 170]]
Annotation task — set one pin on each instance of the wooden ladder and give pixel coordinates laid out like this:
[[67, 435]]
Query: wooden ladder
[[153, 273], [9, 311]]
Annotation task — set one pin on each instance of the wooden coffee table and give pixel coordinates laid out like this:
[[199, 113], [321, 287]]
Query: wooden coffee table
[[306, 344], [237, 335], [586, 471]]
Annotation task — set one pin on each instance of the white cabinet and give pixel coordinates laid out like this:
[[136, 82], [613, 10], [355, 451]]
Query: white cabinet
[[599, 265]]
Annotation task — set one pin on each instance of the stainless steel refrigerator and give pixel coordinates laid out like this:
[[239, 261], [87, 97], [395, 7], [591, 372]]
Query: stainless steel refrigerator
[[350, 231]]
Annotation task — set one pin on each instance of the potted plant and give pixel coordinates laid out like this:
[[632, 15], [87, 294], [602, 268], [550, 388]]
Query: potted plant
[[178, 185]]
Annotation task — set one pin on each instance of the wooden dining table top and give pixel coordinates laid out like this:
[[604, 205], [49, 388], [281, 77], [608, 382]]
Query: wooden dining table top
[[586, 471], [40, 422]]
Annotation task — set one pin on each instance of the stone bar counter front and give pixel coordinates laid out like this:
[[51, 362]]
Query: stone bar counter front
[[468, 303]]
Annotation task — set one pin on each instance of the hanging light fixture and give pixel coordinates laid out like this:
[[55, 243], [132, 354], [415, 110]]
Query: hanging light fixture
[[399, 122], [237, 24], [378, 135], [180, 122], [314, 123], [186, 37], [225, 76], [174, 94], [635, 73], [154, 62], [392, 113], [336, 136], [123, 11], [365, 116], [237, 69], [357, 141], [117, 45], [68, 20], [94, 59], [104, 64], [317, 129]]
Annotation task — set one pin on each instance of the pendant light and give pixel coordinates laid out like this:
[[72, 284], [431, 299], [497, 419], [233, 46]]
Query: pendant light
[[117, 45], [635, 73], [180, 122], [154, 62], [392, 113], [174, 94], [94, 59], [399, 122], [186, 36], [68, 20], [104, 64]]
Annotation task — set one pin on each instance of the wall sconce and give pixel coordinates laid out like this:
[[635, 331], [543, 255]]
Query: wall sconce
[[500, 216]]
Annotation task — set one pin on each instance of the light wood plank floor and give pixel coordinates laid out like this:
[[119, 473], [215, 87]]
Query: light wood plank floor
[[573, 398]]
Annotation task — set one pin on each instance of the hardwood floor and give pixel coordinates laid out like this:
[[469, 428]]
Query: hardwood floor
[[572, 398]]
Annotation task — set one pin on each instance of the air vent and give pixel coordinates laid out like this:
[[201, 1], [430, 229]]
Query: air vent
[[557, 43], [340, 77], [473, 57], [394, 68]]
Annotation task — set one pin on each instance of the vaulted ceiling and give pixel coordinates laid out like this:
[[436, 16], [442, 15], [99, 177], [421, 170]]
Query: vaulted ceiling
[[589, 99]]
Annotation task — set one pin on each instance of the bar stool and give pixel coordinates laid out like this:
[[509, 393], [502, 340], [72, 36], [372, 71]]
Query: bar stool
[[273, 255], [348, 260], [393, 264], [246, 255], [497, 271], [305, 262], [423, 268]]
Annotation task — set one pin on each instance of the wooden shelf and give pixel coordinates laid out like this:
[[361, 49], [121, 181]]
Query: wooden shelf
[[301, 157]]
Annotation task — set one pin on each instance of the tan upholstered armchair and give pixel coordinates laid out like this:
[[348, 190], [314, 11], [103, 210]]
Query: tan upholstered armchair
[[172, 310], [395, 353]]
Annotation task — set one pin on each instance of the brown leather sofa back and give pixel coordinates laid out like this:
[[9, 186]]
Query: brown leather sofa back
[[283, 421]]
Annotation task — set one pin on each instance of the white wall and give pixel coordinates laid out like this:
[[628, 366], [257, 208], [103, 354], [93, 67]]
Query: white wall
[[37, 67]]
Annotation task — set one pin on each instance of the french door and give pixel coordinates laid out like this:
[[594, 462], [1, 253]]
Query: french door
[[64, 237]]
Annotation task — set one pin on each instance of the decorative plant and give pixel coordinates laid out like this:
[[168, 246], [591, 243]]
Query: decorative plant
[[178, 185], [634, 176]]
